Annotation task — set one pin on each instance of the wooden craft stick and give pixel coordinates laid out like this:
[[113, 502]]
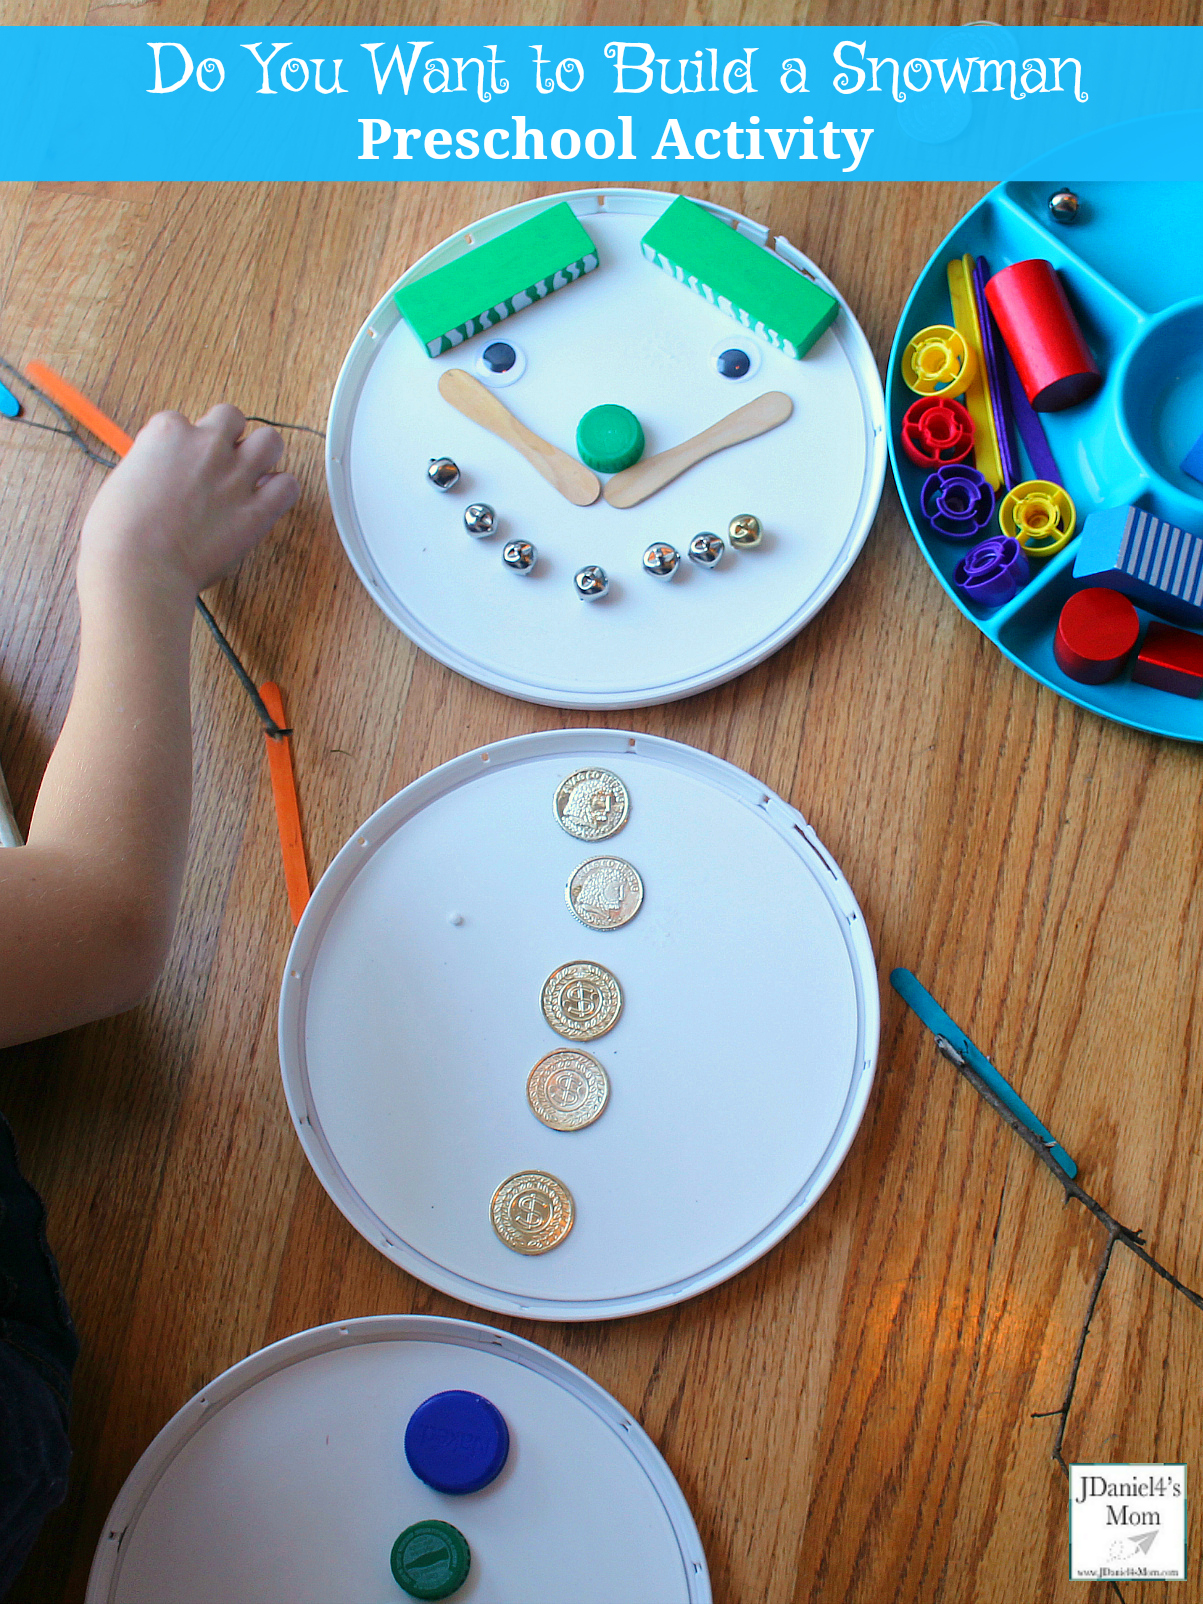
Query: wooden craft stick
[[637, 483], [571, 478], [288, 812], [79, 407]]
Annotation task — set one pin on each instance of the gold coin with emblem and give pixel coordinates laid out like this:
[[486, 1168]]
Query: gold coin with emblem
[[605, 893], [581, 1001], [567, 1089], [532, 1212], [592, 804]]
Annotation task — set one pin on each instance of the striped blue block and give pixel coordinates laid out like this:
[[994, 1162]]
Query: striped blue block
[[1156, 564]]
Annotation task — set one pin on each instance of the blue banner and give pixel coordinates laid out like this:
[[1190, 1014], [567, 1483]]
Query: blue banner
[[623, 103]]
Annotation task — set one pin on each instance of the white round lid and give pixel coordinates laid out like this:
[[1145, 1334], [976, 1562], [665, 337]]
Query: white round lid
[[285, 1481], [410, 1018], [631, 334]]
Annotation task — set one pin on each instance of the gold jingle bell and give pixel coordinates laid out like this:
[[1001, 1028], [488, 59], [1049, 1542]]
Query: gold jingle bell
[[744, 531]]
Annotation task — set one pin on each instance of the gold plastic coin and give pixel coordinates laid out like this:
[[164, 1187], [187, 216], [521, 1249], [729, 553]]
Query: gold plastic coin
[[581, 1001], [532, 1212], [592, 804], [605, 893], [567, 1089]]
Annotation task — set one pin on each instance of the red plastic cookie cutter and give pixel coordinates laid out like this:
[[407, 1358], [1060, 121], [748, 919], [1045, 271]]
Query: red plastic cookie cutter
[[936, 430]]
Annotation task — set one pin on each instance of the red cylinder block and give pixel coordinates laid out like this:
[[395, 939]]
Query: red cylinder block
[[1096, 631], [1037, 322]]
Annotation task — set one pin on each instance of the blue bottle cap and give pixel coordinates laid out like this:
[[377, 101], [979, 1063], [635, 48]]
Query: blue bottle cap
[[457, 1442]]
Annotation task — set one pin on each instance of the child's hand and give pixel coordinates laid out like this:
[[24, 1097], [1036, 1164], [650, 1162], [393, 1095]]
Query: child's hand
[[187, 503]]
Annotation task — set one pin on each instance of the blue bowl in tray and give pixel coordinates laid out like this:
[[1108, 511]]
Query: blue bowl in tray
[[1132, 266]]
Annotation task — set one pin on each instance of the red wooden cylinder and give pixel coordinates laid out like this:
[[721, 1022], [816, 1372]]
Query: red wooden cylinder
[[1096, 631], [1052, 359]]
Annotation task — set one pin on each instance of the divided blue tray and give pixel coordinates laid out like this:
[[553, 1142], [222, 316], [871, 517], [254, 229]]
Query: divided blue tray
[[1132, 266]]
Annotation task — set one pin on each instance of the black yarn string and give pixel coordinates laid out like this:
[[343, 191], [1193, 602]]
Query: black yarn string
[[276, 424], [69, 429], [68, 422], [244, 679]]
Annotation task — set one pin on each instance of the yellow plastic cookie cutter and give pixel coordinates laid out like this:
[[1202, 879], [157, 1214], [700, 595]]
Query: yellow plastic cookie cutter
[[1039, 515], [939, 361]]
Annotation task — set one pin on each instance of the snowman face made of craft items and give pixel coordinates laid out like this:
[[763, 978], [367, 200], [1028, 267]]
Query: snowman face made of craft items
[[625, 336]]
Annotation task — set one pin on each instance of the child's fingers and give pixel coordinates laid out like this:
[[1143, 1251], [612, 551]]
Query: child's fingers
[[259, 453], [223, 420], [275, 496]]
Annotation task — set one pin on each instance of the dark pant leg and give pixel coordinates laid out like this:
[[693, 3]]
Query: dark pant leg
[[38, 1348]]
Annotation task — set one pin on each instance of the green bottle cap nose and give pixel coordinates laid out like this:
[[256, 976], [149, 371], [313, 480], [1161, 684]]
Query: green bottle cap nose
[[609, 438]]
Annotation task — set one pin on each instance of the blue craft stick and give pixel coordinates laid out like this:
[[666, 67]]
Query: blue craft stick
[[10, 407], [938, 1022], [1027, 421], [998, 396], [1192, 462]]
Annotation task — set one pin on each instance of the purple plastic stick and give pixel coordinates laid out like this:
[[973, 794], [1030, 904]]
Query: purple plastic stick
[[1002, 417], [1031, 430]]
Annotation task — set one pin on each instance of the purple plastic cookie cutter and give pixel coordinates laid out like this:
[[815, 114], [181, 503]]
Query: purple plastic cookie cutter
[[993, 572], [957, 501]]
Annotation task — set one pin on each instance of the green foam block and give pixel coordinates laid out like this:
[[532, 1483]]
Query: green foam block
[[447, 306], [741, 278]]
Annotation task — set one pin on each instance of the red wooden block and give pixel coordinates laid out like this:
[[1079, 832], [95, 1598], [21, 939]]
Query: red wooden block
[[1095, 632], [1041, 332], [1172, 660]]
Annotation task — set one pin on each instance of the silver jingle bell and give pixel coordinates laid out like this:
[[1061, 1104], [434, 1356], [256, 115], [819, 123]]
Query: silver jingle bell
[[519, 556], [744, 531], [442, 473], [1063, 206], [480, 519], [591, 583], [706, 550], [661, 561]]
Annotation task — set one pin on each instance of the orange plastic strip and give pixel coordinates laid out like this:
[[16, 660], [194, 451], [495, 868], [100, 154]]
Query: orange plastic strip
[[288, 812], [80, 408]]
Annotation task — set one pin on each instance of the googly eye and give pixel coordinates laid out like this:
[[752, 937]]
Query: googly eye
[[735, 358], [499, 363]]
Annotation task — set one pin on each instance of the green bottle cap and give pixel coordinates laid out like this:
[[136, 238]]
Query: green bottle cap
[[431, 1560], [609, 439]]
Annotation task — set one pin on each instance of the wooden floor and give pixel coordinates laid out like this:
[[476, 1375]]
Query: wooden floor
[[852, 1418]]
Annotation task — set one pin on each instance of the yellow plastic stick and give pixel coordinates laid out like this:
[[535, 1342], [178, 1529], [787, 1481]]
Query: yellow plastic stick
[[977, 396]]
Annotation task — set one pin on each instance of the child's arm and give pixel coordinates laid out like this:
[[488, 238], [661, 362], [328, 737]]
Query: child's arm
[[88, 905]]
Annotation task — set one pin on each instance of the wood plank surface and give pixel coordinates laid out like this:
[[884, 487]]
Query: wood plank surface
[[851, 1418]]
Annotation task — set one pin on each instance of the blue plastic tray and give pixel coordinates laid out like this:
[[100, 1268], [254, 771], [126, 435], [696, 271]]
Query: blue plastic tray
[[1132, 266]]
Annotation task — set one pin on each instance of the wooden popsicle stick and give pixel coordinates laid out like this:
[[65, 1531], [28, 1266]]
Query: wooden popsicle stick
[[288, 812], [80, 408], [571, 478], [643, 479]]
